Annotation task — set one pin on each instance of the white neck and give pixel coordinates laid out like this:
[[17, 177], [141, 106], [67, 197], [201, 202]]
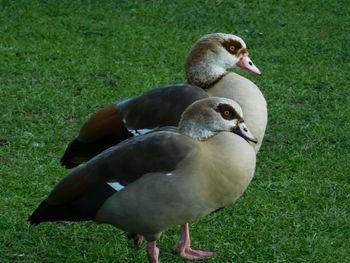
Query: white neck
[[206, 69], [203, 75], [195, 131]]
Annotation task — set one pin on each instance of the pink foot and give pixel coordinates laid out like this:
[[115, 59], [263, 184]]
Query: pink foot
[[189, 253], [184, 246], [152, 252]]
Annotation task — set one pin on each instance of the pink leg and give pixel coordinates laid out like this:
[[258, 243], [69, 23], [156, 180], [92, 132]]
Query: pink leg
[[184, 246], [152, 252], [137, 238]]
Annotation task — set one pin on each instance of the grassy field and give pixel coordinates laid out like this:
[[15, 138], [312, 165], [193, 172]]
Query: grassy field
[[60, 61]]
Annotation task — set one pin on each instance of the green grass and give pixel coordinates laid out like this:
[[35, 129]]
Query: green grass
[[60, 61]]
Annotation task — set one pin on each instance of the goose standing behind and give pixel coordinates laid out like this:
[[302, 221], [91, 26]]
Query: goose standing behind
[[170, 177], [206, 67]]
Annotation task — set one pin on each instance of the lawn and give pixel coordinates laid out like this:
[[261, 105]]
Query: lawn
[[60, 61]]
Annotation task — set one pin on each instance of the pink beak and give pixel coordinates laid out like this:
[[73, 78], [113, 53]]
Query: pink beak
[[242, 130], [247, 64]]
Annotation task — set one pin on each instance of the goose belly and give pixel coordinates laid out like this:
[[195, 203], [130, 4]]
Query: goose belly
[[152, 204]]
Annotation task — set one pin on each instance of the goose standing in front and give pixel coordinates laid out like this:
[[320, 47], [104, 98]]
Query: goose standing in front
[[168, 177], [206, 71]]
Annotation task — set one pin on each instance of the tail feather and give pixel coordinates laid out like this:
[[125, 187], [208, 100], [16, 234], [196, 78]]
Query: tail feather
[[78, 152], [50, 213], [83, 209]]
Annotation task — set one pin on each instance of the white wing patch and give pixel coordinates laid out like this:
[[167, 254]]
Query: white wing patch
[[116, 186], [139, 131]]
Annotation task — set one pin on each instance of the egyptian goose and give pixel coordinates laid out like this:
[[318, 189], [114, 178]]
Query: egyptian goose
[[206, 67], [168, 177]]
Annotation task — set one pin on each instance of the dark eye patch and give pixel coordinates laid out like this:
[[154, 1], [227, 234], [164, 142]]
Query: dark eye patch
[[232, 46], [228, 112]]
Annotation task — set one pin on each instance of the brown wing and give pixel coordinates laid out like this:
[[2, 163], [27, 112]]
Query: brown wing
[[156, 108], [103, 124], [126, 162], [101, 131]]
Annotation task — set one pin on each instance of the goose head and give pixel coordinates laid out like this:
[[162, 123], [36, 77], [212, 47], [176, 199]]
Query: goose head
[[212, 55], [205, 118]]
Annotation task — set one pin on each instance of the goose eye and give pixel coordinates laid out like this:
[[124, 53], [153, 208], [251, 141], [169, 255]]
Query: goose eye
[[226, 113], [232, 48]]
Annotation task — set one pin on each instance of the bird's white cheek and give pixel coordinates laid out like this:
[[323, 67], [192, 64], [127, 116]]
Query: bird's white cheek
[[225, 60], [231, 61], [233, 123], [227, 126]]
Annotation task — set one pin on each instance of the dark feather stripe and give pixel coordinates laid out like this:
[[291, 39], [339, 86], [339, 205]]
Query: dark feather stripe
[[81, 210], [92, 201], [78, 152], [46, 213]]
